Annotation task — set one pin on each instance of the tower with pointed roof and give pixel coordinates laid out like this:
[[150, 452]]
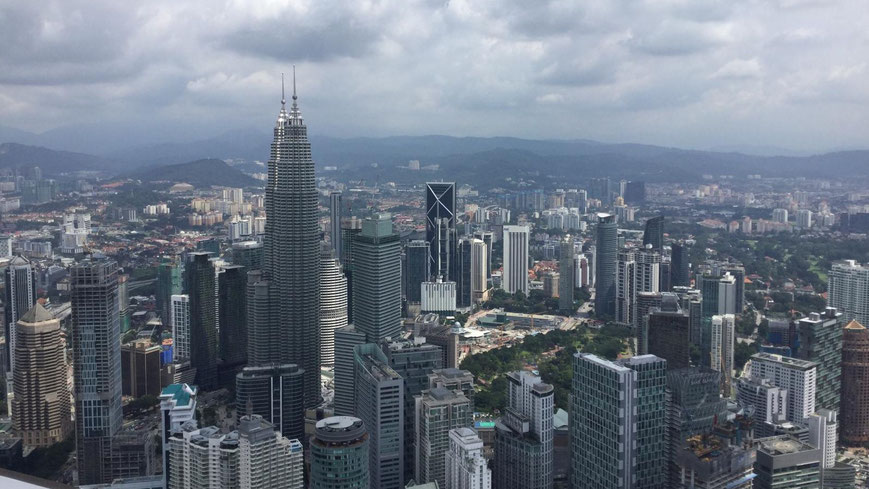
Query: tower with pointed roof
[[854, 414], [284, 297]]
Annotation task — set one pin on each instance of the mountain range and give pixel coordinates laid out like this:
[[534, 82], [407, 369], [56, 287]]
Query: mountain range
[[471, 159]]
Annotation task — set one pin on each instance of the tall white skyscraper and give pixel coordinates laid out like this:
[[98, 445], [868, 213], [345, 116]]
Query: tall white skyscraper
[[333, 307], [515, 277], [799, 377], [849, 290], [466, 467], [722, 340], [180, 318]]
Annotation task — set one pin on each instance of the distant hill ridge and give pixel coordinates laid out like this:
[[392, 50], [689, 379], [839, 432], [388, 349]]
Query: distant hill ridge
[[199, 173]]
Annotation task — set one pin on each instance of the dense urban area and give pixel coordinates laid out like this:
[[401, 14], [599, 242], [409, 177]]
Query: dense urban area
[[246, 323]]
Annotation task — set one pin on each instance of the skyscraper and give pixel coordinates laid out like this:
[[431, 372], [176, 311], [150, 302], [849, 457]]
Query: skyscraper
[[679, 265], [180, 321], [339, 454], [464, 288], [821, 342], [284, 321], [669, 335], [248, 254], [232, 317], [488, 237], [41, 413], [854, 417], [417, 259], [177, 406], [380, 405], [719, 294], [479, 270], [268, 460], [654, 233], [20, 298], [466, 467], [274, 392], [524, 436], [96, 353], [618, 423], [849, 290], [346, 340], [335, 207], [799, 377], [722, 344], [606, 256], [784, 461], [438, 410], [568, 275], [413, 361], [199, 282], [515, 276], [440, 228], [203, 457], [333, 306], [377, 279]]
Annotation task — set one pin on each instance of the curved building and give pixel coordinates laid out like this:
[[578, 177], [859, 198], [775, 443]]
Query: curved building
[[339, 454], [274, 392], [854, 415], [605, 266], [333, 307], [41, 406]]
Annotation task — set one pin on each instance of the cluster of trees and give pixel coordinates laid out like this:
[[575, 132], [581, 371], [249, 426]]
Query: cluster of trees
[[537, 302], [489, 367]]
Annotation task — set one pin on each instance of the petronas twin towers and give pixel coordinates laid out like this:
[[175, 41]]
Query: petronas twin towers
[[284, 298]]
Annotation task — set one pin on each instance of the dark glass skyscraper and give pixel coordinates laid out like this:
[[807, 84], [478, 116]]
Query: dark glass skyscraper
[[377, 279], [335, 203], [284, 325], [654, 233], [96, 357], [679, 265], [274, 392], [605, 269], [440, 229], [417, 252], [20, 298], [199, 283], [232, 307]]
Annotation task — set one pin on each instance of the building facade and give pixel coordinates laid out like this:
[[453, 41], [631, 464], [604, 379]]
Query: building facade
[[466, 466], [606, 259], [339, 454], [515, 275], [200, 283], [848, 290], [333, 307], [275, 393], [854, 415]]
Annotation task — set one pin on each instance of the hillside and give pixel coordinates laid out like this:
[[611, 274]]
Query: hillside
[[14, 155], [199, 173]]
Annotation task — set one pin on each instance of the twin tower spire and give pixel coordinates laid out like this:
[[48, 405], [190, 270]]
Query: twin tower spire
[[283, 99]]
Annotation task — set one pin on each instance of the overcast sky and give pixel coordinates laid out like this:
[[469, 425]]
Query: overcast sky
[[691, 73]]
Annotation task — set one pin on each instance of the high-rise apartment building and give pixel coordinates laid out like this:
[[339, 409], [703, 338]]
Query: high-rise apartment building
[[768, 402], [619, 422], [821, 342], [799, 377], [333, 306], [414, 361], [479, 270], [96, 358], [524, 434], [336, 200], [180, 321], [854, 414], [848, 290], [466, 466], [205, 457], [722, 343], [268, 460], [568, 274], [606, 260], [232, 315], [200, 283], [515, 275], [380, 405], [177, 406], [440, 229], [283, 301], [20, 278], [377, 279], [439, 409], [339, 454], [41, 413], [274, 392]]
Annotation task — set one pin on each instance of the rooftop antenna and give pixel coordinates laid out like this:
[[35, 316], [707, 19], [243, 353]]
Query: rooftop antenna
[[283, 99], [294, 83]]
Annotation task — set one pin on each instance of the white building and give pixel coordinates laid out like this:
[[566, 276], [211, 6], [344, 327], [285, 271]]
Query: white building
[[823, 427], [780, 215], [179, 316], [804, 218], [849, 290], [799, 377], [515, 277], [438, 296], [479, 269], [333, 307], [268, 460], [74, 233], [177, 406], [466, 467], [721, 347], [203, 459]]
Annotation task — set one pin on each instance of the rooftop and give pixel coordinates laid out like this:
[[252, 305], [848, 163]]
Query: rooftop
[[782, 445], [794, 362]]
